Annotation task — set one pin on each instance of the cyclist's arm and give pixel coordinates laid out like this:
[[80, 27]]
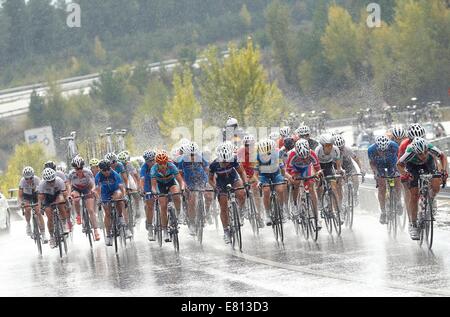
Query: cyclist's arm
[[211, 180], [401, 163], [136, 177], [180, 181], [41, 198], [125, 179], [141, 184], [374, 167], [122, 189], [242, 173], [154, 185]]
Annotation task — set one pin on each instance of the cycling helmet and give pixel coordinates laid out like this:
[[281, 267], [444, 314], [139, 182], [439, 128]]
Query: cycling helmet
[[266, 146], [224, 152], [302, 148], [184, 141], [123, 157], [78, 162], [274, 136], [285, 131], [326, 139], [398, 132], [162, 157], [28, 172], [415, 130], [303, 130], [232, 122], [339, 141], [419, 145], [61, 167], [49, 174], [289, 143], [94, 162], [149, 155], [382, 142], [191, 148], [104, 165], [50, 164], [248, 139], [111, 157]]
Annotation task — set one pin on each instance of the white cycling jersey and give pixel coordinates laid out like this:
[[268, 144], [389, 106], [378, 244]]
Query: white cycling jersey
[[334, 155]]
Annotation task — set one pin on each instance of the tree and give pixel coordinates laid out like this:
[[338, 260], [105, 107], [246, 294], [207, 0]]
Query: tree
[[44, 33], [99, 51], [183, 108], [246, 16], [24, 155], [37, 110], [18, 29], [238, 86]]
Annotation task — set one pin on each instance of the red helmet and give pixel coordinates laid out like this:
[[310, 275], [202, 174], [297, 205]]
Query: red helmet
[[162, 157]]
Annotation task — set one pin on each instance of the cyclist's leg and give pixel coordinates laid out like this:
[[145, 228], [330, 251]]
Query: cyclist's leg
[[62, 209], [149, 204], [76, 202], [91, 210], [107, 220], [264, 180], [240, 194], [414, 189], [174, 188]]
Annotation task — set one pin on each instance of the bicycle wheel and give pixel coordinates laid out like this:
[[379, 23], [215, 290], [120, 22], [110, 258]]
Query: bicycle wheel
[[200, 221], [252, 214], [174, 229], [37, 234], [114, 228], [237, 226], [429, 219], [87, 225], [278, 212], [350, 208], [131, 218], [336, 215], [312, 219], [326, 210], [303, 218], [392, 214], [101, 221], [57, 235], [157, 227]]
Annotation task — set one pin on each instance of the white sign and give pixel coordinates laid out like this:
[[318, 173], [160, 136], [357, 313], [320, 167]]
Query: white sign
[[44, 136]]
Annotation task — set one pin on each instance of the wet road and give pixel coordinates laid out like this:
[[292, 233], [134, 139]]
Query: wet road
[[362, 262]]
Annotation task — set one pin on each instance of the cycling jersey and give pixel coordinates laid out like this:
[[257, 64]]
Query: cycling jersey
[[61, 175], [109, 184], [411, 157], [226, 174], [247, 158], [269, 164], [297, 165], [147, 175], [164, 176], [384, 159], [313, 144], [54, 188], [193, 172], [129, 168], [83, 182], [402, 148], [334, 155], [29, 190], [347, 155], [119, 168]]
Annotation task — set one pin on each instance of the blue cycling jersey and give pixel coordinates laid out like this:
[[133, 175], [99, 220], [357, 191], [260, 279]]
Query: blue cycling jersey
[[119, 168], [384, 159], [108, 184], [147, 175], [269, 164], [226, 170], [164, 176], [193, 172]]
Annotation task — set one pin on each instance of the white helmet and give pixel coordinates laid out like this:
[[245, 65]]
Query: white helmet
[[224, 152], [78, 162], [28, 172], [112, 157], [415, 130], [149, 155], [248, 139], [285, 131], [339, 141], [49, 175], [62, 167], [303, 130], [382, 142], [419, 145], [326, 139], [184, 141], [302, 148], [398, 132], [274, 136], [266, 146], [231, 122], [190, 148]]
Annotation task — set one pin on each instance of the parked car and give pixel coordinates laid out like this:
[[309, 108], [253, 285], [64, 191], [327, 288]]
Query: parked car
[[5, 214]]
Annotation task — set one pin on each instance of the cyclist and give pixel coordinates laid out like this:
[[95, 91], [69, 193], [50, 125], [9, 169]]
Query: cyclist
[[164, 175], [270, 169], [28, 195], [303, 162], [82, 182], [348, 156], [124, 158], [109, 186], [304, 132], [330, 162], [223, 171], [193, 168], [52, 189], [397, 134], [383, 161], [420, 155], [231, 132], [284, 133], [118, 167], [93, 163], [146, 187], [247, 158], [59, 173]]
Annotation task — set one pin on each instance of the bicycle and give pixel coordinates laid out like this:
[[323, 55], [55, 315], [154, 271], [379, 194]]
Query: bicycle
[[426, 215], [131, 213], [172, 225], [348, 203], [72, 149], [275, 211], [329, 202], [58, 231], [87, 228], [117, 229], [157, 228], [233, 216], [304, 217], [200, 215], [251, 211], [391, 212], [36, 233]]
